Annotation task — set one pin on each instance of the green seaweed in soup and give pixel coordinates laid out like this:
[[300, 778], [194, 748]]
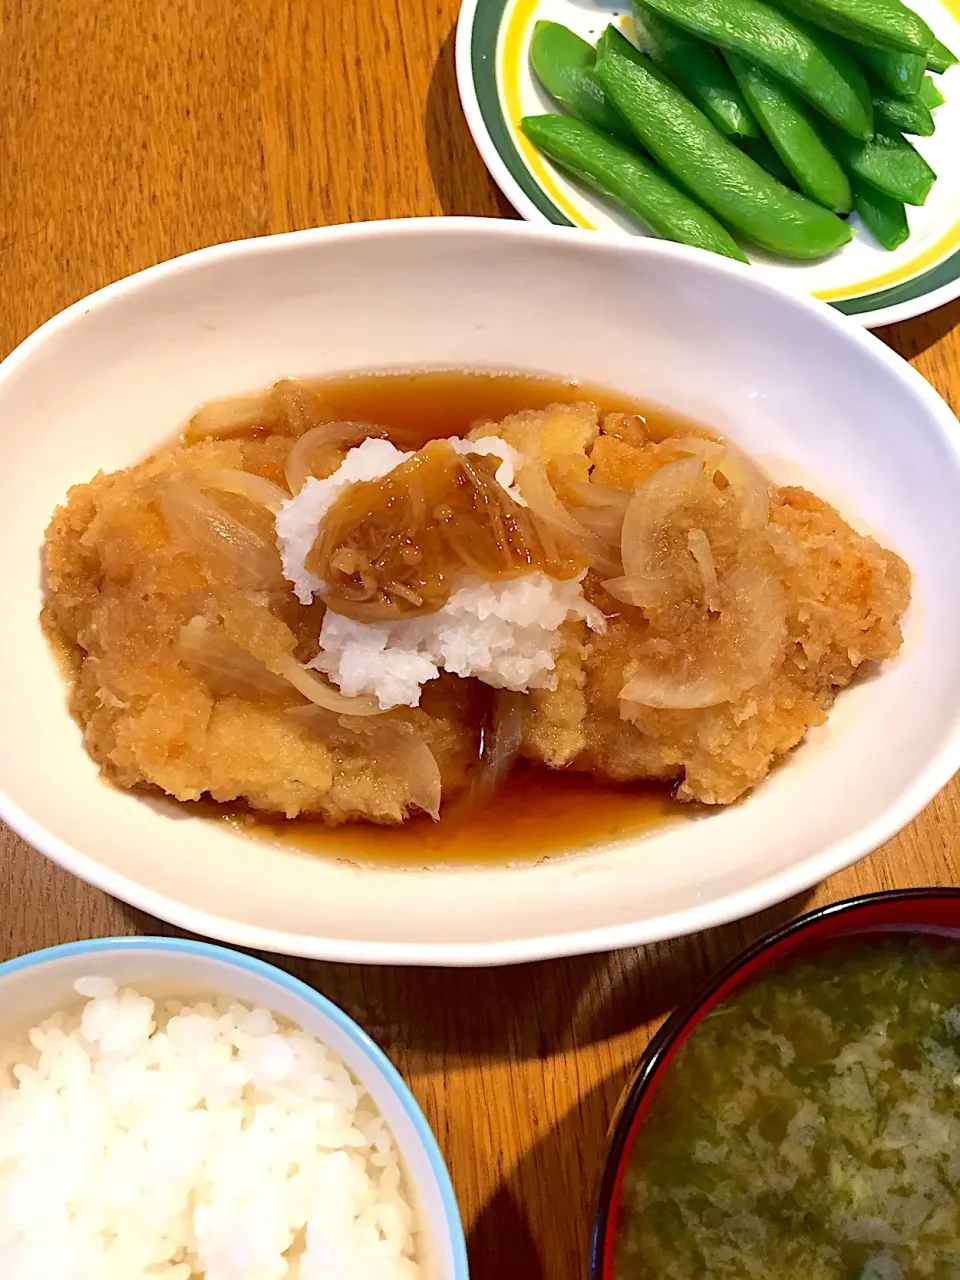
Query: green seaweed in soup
[[809, 1128]]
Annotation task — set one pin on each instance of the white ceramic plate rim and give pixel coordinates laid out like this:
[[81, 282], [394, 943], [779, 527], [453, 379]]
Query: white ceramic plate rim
[[505, 180], [757, 897]]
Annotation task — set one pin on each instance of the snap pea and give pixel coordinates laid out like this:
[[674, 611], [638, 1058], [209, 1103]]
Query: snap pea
[[939, 58], [707, 164], [884, 24], [884, 218], [697, 69], [793, 135], [563, 63], [631, 180], [909, 115], [888, 162], [929, 94], [811, 62], [759, 149], [901, 73]]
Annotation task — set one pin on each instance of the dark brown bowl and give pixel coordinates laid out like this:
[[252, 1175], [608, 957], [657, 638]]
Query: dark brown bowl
[[901, 910]]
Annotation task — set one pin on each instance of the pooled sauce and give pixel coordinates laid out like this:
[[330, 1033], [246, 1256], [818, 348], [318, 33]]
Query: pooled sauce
[[194, 652], [540, 812], [419, 405]]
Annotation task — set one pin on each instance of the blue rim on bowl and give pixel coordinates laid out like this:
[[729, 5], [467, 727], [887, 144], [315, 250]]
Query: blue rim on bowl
[[925, 910], [300, 990]]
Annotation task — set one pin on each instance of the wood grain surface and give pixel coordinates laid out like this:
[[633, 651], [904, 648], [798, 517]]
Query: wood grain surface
[[133, 132]]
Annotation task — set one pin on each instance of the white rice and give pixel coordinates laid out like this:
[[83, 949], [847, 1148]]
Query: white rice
[[195, 1140], [503, 633]]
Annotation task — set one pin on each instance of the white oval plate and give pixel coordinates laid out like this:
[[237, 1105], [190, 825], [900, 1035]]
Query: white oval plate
[[804, 390], [497, 88]]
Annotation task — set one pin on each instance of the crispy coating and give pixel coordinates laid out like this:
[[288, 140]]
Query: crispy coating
[[121, 590], [844, 595]]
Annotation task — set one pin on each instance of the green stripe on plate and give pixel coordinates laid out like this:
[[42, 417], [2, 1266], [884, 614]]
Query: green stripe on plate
[[488, 19], [943, 273], [483, 60]]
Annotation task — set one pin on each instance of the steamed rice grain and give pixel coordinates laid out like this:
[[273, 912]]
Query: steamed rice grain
[[505, 633], [140, 1142]]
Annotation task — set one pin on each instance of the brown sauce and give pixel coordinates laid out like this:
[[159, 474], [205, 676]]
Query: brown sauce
[[392, 548], [540, 812], [419, 405]]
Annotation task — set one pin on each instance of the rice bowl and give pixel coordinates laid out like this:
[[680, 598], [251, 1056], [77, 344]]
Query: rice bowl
[[202, 1134]]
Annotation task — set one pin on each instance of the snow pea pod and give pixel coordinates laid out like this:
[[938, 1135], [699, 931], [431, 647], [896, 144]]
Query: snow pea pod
[[816, 66], [888, 162], [930, 95], [884, 24], [708, 165], [697, 69], [901, 73], [909, 115], [793, 135], [563, 63], [631, 180], [939, 58], [759, 149], [884, 218]]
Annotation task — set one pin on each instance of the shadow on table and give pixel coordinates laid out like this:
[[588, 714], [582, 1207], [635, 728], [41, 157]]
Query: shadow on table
[[460, 177], [521, 1012], [913, 337], [557, 1179]]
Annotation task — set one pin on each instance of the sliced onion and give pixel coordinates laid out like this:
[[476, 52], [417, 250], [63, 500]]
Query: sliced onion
[[296, 404], [600, 508], [500, 739], [228, 668], [650, 506], [411, 759], [395, 747], [759, 600], [599, 496], [230, 549], [664, 692], [632, 590], [750, 486], [316, 690], [344, 435], [700, 549], [696, 446], [605, 522], [540, 497], [262, 493], [227, 417], [225, 667], [744, 644]]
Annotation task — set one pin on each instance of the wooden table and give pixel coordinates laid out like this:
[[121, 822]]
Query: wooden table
[[135, 132]]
